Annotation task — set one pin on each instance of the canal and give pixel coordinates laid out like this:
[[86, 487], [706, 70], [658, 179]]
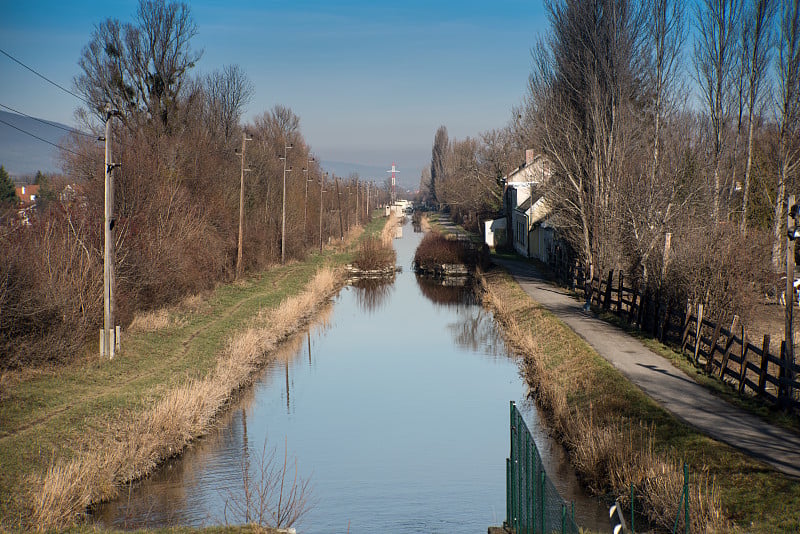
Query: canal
[[393, 405]]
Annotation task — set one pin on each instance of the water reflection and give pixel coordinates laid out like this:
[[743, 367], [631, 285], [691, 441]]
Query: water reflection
[[395, 404], [448, 291], [372, 294], [477, 332]]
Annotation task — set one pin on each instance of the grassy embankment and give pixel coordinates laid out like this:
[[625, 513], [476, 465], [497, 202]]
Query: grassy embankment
[[72, 436], [617, 436]]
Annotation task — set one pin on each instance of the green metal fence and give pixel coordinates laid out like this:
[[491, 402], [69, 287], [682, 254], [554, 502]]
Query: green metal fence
[[533, 504]]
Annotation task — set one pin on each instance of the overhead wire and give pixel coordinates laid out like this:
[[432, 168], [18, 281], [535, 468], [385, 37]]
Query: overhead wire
[[39, 138], [47, 123], [48, 80], [45, 78]]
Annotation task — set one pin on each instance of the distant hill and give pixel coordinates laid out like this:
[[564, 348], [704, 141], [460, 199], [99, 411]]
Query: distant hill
[[23, 155]]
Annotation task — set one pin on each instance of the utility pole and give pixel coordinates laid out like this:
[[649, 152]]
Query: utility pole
[[792, 233], [283, 208], [321, 190], [241, 209], [305, 202], [339, 202], [108, 339]]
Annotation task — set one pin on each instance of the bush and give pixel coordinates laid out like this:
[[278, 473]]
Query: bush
[[435, 250], [374, 254]]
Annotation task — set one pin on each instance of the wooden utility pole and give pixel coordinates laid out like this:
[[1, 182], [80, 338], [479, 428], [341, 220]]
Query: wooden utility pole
[[241, 210], [339, 202], [791, 234], [321, 191], [108, 338]]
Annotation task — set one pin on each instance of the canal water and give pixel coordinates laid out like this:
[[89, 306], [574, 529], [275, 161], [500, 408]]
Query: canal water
[[394, 406]]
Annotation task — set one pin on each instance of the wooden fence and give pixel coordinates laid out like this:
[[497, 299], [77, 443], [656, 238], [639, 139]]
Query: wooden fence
[[720, 350]]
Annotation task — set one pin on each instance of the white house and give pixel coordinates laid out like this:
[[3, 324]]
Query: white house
[[527, 210]]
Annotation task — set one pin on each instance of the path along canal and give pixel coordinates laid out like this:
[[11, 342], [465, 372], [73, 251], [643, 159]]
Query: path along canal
[[394, 404]]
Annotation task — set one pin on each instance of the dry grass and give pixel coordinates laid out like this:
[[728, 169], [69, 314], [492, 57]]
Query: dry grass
[[186, 412], [609, 452], [389, 229]]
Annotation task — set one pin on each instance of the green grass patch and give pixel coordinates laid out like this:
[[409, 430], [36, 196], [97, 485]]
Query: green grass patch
[[56, 413]]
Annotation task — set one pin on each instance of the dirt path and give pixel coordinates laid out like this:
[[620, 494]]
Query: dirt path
[[656, 376]]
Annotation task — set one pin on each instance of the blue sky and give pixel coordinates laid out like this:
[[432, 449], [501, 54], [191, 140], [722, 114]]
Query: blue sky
[[370, 80]]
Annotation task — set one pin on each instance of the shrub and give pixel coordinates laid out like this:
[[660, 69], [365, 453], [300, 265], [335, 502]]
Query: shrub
[[373, 254], [435, 249]]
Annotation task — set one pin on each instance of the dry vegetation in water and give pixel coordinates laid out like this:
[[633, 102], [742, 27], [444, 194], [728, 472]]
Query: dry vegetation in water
[[602, 422]]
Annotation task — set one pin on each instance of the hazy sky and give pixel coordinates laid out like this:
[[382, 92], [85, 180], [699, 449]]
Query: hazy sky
[[370, 80]]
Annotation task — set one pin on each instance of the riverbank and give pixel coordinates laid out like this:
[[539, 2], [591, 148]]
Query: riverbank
[[617, 436], [74, 436]]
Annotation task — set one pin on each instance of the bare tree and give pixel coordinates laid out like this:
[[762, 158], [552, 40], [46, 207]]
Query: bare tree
[[788, 113], [227, 91], [755, 56], [140, 68], [440, 147], [714, 59], [583, 96]]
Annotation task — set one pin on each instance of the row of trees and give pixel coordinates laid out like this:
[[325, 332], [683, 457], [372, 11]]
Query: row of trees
[[657, 118], [176, 191]]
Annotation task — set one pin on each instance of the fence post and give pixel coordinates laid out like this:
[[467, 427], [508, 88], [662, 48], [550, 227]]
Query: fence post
[[686, 321], [782, 376], [528, 478], [743, 369], [632, 307], [541, 499], [686, 495], [509, 512], [714, 338], [728, 346], [620, 294], [607, 298], [699, 332], [762, 375], [643, 303]]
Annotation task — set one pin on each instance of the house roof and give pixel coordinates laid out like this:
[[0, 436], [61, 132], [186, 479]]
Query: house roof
[[27, 193]]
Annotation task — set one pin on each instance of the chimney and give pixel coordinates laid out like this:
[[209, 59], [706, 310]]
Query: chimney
[[528, 156]]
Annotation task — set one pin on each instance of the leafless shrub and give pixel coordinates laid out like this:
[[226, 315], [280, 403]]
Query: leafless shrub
[[435, 250], [373, 254], [272, 494]]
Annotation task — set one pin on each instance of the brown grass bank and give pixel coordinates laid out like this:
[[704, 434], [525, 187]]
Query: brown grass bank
[[618, 437], [73, 436]]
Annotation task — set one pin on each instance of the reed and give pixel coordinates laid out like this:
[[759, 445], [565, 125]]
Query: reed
[[137, 446], [610, 448]]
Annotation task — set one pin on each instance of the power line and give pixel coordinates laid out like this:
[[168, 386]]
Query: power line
[[39, 138], [48, 123], [45, 78]]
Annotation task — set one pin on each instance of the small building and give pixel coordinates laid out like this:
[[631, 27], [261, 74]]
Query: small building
[[526, 208], [27, 194]]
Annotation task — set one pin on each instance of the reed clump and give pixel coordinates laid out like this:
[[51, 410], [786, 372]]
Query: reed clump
[[578, 392], [138, 444]]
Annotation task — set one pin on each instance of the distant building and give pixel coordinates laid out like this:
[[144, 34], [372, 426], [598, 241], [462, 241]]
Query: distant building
[[27, 194]]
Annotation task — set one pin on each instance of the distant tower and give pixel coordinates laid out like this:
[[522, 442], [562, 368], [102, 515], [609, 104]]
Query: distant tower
[[393, 170]]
